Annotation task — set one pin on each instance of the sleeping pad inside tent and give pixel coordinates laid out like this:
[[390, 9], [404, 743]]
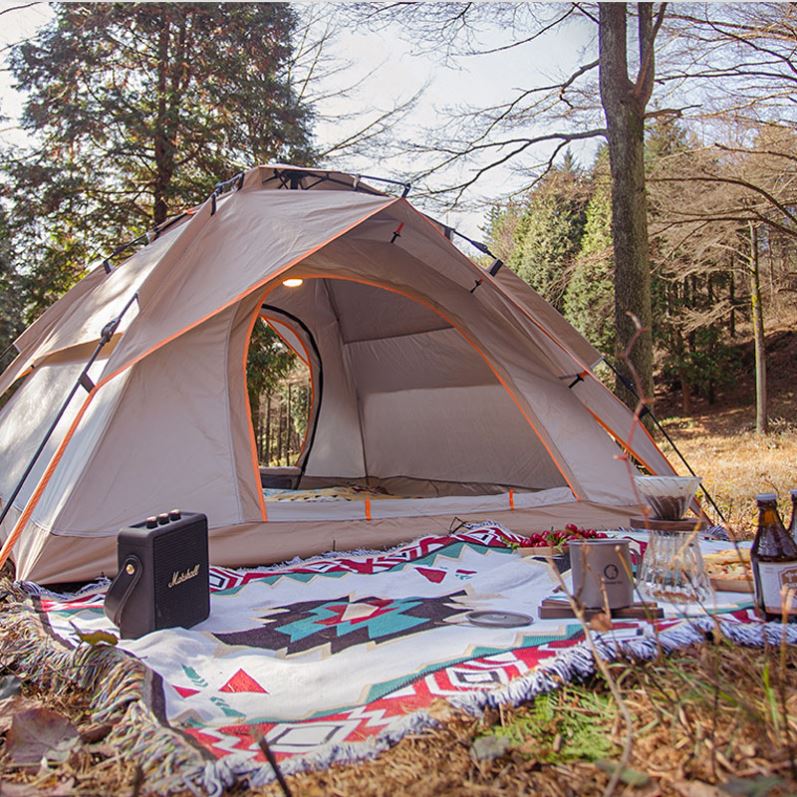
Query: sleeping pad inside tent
[[438, 390]]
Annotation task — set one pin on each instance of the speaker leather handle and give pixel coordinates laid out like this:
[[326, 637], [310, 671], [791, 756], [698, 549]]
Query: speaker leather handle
[[122, 588]]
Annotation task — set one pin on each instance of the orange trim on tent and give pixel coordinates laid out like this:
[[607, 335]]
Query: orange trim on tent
[[46, 476], [586, 369], [252, 443], [367, 508], [472, 343], [5, 552], [619, 440], [511, 499]]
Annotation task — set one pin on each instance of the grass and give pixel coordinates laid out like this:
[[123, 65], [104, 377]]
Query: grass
[[736, 463], [720, 441], [706, 724]]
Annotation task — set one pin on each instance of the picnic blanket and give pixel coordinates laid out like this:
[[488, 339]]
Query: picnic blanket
[[335, 658]]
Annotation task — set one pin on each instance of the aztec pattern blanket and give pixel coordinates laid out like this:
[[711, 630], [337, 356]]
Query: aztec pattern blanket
[[337, 657]]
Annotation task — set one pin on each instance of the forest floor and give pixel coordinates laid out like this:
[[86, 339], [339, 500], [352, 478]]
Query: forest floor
[[711, 721], [720, 442]]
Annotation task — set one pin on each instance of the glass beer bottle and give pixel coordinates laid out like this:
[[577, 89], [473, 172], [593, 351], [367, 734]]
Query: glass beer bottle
[[774, 560]]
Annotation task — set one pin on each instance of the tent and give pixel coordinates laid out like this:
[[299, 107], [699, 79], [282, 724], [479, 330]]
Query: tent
[[440, 389]]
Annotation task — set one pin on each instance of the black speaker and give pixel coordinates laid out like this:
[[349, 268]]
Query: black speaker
[[163, 574]]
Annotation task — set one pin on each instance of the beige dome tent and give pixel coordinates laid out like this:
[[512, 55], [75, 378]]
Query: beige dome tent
[[445, 390]]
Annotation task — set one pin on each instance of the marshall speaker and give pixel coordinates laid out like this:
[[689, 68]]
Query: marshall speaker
[[163, 574]]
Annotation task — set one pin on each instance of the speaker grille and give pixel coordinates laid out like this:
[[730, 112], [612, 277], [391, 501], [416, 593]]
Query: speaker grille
[[177, 555]]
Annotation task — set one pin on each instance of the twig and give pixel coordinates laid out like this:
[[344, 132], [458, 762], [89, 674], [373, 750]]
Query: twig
[[263, 745], [603, 666]]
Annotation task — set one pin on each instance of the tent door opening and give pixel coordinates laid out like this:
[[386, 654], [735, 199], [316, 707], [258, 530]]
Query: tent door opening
[[410, 407], [285, 380]]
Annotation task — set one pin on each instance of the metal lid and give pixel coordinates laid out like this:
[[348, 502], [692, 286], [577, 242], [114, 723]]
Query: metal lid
[[496, 619], [766, 498]]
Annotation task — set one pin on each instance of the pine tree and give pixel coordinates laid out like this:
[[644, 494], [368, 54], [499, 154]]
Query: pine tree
[[548, 233], [137, 110], [589, 299]]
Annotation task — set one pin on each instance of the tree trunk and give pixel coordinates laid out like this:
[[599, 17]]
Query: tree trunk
[[267, 459], [624, 107], [163, 144], [761, 418], [732, 300]]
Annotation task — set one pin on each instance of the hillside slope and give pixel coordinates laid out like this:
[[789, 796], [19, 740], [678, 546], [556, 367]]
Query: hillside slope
[[720, 442]]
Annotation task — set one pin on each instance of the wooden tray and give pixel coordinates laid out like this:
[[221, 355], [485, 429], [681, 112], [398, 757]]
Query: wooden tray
[[557, 608], [653, 524], [732, 584], [543, 551]]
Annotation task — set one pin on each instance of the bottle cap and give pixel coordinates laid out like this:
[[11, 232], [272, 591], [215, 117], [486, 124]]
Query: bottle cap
[[163, 518], [174, 514], [762, 499]]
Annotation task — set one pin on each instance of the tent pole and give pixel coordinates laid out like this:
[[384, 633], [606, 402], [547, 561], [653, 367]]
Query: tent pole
[[6, 350], [82, 381], [647, 411]]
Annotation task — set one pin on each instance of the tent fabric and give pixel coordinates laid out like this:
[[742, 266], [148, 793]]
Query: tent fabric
[[430, 377]]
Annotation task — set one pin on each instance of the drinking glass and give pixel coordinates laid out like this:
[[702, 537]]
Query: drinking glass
[[672, 568]]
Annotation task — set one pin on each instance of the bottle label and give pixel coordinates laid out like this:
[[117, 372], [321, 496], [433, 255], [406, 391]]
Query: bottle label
[[778, 583]]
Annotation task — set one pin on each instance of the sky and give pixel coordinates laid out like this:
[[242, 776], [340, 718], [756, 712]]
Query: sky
[[392, 70]]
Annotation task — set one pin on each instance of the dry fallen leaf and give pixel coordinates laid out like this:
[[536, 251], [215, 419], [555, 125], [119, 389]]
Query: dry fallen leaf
[[95, 733], [9, 686], [39, 733], [696, 788], [441, 710], [64, 788], [11, 706], [95, 637], [18, 790], [486, 748]]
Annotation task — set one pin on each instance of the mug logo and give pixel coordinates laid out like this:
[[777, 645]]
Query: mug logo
[[186, 575], [611, 572]]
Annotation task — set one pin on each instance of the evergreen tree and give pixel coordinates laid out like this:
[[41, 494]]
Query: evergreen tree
[[547, 235], [589, 299], [11, 297], [136, 110]]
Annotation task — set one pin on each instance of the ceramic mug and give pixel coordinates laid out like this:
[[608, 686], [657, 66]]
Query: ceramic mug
[[602, 573]]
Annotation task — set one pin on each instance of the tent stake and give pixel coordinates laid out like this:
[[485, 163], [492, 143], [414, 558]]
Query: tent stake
[[106, 334], [647, 411]]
